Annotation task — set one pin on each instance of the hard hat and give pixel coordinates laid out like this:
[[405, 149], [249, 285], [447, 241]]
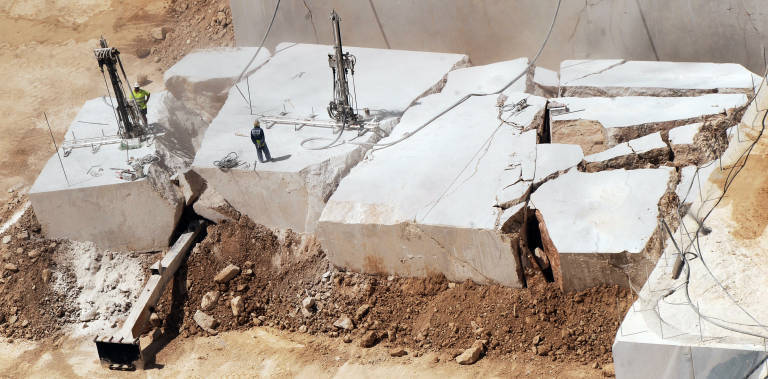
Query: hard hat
[[256, 123], [135, 84]]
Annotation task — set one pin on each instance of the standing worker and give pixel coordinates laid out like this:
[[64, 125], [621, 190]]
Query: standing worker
[[142, 98], [257, 137]]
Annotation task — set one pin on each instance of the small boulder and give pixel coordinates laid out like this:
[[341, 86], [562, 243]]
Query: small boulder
[[212, 206], [6, 240], [155, 320], [142, 52], [227, 274], [11, 267], [397, 352], [209, 300], [308, 306], [303, 329], [158, 34], [46, 275], [609, 370], [238, 306], [543, 349], [362, 311], [33, 253], [344, 322], [192, 185], [23, 235], [473, 354], [205, 322], [369, 339]]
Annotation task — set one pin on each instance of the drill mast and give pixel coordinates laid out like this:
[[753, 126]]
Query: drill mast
[[130, 123], [340, 109]]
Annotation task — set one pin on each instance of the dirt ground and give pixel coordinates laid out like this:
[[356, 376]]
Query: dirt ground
[[47, 63], [266, 352]]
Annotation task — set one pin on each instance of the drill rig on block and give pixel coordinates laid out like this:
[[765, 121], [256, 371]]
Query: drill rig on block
[[342, 109], [132, 130], [130, 123]]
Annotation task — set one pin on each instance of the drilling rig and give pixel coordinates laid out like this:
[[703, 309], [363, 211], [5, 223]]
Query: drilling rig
[[340, 108], [130, 124], [343, 108]]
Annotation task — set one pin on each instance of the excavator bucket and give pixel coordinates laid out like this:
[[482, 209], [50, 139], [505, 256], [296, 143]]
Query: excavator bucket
[[118, 354]]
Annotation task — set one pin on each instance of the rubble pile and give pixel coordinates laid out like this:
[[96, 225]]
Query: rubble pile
[[243, 275]]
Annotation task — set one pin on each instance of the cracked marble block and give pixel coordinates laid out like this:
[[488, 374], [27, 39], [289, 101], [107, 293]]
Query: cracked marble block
[[441, 200], [619, 77]]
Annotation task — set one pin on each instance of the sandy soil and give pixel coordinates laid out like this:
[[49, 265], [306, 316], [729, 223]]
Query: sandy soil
[[47, 65], [263, 352]]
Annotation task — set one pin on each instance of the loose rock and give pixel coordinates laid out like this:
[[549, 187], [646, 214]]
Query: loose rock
[[227, 274], [209, 300], [397, 352], [344, 322], [473, 354], [11, 267], [308, 306], [362, 311], [238, 306], [205, 322], [369, 339]]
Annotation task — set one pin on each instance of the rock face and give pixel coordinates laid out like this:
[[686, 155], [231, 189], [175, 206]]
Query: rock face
[[594, 223], [227, 274], [291, 191], [473, 354]]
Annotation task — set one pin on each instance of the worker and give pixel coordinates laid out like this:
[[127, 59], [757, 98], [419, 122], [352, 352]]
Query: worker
[[257, 137], [142, 98]]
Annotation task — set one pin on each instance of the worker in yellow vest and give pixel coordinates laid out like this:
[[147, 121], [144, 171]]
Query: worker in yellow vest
[[142, 98]]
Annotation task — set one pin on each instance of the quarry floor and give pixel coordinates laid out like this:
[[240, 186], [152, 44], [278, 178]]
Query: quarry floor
[[264, 352]]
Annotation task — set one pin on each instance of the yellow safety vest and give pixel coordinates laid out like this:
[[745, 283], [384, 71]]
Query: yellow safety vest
[[141, 98]]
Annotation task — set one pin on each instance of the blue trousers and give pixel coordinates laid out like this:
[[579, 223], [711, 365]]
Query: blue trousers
[[265, 151]]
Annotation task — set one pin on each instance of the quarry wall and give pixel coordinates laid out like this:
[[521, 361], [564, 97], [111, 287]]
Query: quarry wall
[[495, 30]]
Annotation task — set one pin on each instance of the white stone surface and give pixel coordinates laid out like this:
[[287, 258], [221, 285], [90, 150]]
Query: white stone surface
[[202, 79], [554, 157], [692, 180], [605, 73], [627, 111], [291, 191], [635, 146], [603, 212], [616, 151], [96, 205], [487, 79], [427, 204], [545, 77], [683, 135], [647, 143]]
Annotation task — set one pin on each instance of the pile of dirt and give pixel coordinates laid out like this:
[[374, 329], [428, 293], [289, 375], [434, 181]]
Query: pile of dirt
[[29, 306], [197, 24], [276, 274]]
